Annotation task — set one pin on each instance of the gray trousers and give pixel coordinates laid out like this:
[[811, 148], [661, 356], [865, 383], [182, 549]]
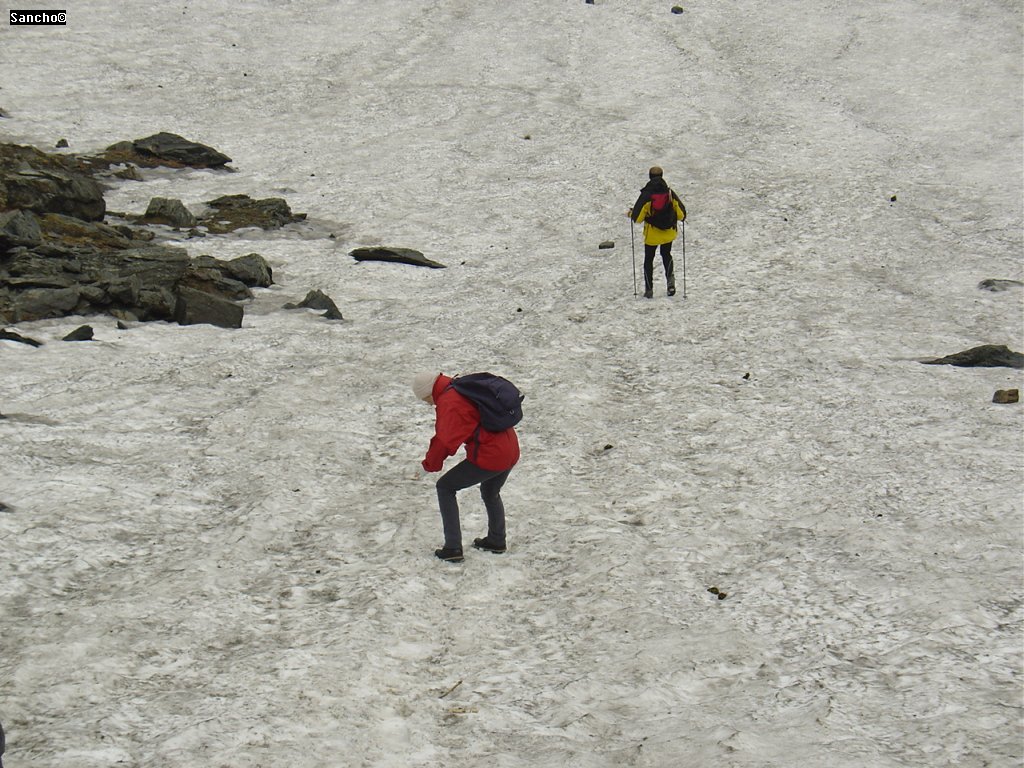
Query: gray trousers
[[465, 475]]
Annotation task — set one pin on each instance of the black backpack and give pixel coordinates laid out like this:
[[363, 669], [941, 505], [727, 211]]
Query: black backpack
[[496, 398]]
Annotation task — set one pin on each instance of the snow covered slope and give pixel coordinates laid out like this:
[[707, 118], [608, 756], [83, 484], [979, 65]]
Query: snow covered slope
[[214, 553]]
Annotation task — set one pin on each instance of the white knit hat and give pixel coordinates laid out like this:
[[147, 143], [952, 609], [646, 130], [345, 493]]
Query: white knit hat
[[423, 385]]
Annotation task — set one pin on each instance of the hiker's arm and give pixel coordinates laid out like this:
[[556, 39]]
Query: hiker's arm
[[454, 426]]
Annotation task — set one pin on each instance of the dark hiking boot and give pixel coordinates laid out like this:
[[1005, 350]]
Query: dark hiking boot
[[449, 555], [671, 290], [649, 293], [488, 546]]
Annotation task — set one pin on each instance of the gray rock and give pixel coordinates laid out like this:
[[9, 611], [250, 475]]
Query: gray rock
[[251, 269], [82, 333], [42, 303], [173, 213], [19, 228], [195, 307], [395, 255]]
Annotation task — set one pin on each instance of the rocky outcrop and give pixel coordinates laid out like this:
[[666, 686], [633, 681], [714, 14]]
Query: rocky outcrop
[[57, 257], [165, 149], [31, 180], [233, 212]]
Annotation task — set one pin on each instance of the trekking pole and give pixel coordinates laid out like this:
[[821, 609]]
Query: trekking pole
[[632, 242], [684, 260]]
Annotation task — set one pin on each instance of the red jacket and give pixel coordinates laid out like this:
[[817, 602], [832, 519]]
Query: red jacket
[[457, 423]]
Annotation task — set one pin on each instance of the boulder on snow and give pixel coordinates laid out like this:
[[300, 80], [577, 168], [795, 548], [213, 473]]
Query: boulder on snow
[[395, 255], [251, 269], [165, 149], [82, 333], [319, 300], [985, 356]]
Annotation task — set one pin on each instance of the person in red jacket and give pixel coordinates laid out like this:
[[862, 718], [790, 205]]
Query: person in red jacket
[[490, 457]]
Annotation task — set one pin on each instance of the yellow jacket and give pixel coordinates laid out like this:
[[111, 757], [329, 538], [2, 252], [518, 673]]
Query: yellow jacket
[[653, 235]]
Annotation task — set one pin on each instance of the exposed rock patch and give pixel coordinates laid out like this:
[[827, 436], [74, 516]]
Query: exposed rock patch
[[985, 356]]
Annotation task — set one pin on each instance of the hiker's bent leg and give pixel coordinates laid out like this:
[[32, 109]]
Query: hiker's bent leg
[[490, 492], [462, 475], [666, 259]]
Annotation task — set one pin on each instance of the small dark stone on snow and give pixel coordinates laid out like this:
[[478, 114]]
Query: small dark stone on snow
[[677, 9], [1006, 396], [607, 244]]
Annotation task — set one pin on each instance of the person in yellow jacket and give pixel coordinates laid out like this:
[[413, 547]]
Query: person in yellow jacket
[[661, 210]]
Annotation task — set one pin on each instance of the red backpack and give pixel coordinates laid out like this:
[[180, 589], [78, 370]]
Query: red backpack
[[662, 214]]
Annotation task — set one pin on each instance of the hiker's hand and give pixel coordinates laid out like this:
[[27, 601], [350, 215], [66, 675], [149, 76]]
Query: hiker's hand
[[419, 473]]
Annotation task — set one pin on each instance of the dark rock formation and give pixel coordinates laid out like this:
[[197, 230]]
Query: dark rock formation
[[985, 356], [396, 255], [6, 335], [997, 286], [31, 180], [165, 149]]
